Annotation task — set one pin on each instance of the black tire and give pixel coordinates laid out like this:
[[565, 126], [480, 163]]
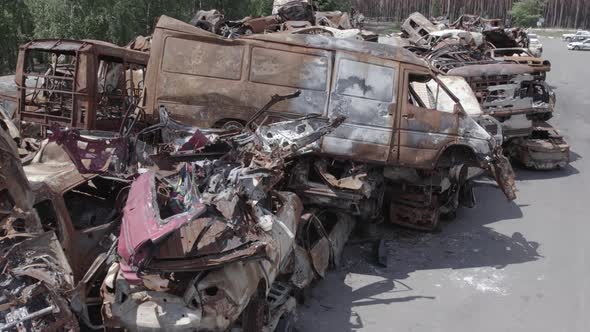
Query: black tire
[[576, 48], [253, 318], [449, 216], [232, 125], [204, 25], [246, 31], [286, 323]]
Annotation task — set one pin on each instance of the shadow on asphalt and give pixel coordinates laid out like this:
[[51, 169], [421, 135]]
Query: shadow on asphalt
[[465, 243], [524, 174]]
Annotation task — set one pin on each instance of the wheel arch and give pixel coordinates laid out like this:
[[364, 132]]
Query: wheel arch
[[454, 154]]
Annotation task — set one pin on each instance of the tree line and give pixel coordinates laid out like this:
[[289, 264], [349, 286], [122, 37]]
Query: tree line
[[116, 21], [119, 21], [556, 13]]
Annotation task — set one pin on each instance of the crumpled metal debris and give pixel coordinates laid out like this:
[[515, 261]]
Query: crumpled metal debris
[[217, 214], [35, 272], [212, 220], [511, 89]]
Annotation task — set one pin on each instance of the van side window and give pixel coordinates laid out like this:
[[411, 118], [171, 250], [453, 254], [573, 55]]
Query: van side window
[[425, 92], [295, 70], [202, 59], [364, 80]]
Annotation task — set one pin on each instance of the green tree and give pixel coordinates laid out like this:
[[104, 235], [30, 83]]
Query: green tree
[[526, 13], [116, 21], [15, 28], [327, 5]]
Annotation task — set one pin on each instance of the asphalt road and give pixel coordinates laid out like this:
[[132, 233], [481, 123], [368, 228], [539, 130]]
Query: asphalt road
[[521, 266]]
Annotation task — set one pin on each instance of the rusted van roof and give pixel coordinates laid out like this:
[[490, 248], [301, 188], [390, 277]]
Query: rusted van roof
[[388, 52]]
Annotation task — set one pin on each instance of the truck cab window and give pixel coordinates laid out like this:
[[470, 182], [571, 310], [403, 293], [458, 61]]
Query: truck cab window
[[425, 92]]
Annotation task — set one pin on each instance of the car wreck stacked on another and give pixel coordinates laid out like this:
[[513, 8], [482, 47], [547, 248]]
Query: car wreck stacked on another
[[392, 138], [507, 79], [288, 16]]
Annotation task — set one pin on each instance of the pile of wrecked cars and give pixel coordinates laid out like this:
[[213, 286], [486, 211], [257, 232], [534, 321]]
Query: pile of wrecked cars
[[211, 206], [508, 80]]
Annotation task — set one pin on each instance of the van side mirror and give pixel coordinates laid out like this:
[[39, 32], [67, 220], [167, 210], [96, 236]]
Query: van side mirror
[[457, 109]]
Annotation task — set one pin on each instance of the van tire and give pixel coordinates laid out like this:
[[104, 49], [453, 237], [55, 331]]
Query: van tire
[[231, 125], [286, 323], [254, 316], [247, 31], [204, 25]]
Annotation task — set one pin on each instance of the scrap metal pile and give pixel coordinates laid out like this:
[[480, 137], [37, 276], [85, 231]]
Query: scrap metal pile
[[166, 192], [289, 17], [508, 80], [203, 244]]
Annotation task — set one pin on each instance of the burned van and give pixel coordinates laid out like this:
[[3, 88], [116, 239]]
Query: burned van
[[207, 81]]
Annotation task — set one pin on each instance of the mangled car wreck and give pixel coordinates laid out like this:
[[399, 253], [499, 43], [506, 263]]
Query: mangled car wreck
[[216, 243], [287, 15], [61, 244], [508, 81], [208, 245]]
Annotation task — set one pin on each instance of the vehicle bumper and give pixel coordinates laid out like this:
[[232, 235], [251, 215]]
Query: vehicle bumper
[[213, 303], [545, 149]]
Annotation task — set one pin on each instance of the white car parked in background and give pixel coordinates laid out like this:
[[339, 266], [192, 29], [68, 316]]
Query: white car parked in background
[[576, 46], [580, 34], [535, 45]]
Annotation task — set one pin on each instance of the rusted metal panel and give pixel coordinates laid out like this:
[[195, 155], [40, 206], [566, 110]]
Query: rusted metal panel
[[365, 92], [497, 69]]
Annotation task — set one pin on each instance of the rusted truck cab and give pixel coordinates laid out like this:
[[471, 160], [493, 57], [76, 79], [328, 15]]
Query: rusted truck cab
[[81, 84], [207, 81]]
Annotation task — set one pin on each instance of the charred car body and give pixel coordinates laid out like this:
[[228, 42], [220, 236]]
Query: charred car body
[[216, 244], [52, 244], [509, 84], [174, 261]]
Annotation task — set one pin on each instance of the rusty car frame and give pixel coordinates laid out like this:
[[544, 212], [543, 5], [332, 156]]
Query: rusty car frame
[[82, 84]]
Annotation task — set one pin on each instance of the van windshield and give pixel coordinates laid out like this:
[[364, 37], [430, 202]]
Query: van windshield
[[426, 92]]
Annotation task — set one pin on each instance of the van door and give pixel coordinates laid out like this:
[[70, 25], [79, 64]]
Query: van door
[[428, 122], [365, 92]]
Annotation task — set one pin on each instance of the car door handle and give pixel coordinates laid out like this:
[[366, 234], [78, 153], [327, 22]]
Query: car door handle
[[408, 116]]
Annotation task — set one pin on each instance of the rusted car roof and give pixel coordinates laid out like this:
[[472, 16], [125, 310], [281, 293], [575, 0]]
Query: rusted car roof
[[66, 45], [388, 52], [52, 167], [491, 70]]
